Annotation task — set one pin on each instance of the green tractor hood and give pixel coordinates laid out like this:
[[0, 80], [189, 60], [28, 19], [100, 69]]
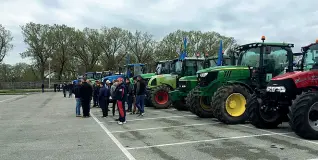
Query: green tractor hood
[[219, 68], [168, 79]]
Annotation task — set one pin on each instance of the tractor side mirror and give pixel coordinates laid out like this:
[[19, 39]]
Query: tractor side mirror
[[268, 50]]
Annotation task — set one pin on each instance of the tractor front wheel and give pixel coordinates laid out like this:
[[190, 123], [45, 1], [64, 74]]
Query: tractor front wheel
[[304, 115], [199, 106], [259, 117], [160, 97], [179, 105], [229, 103]]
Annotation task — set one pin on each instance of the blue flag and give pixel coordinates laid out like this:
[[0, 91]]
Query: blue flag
[[220, 55]]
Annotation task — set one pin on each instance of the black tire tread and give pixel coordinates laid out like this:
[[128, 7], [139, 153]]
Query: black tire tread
[[218, 104], [193, 103]]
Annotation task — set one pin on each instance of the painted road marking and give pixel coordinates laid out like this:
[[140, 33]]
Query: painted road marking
[[281, 135], [145, 129], [143, 119], [11, 98], [114, 139], [208, 140]]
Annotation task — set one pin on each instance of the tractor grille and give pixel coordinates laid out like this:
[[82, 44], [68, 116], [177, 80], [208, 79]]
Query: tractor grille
[[205, 81]]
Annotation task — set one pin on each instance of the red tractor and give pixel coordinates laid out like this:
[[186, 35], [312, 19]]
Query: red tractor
[[292, 97]]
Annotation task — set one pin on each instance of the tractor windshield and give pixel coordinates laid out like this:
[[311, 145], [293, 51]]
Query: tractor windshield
[[90, 75], [274, 62], [134, 70], [98, 76], [177, 67], [311, 57], [163, 68], [192, 66], [214, 62]]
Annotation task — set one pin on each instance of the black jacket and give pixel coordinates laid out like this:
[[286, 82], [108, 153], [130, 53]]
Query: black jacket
[[96, 90], [130, 89], [141, 88], [76, 91], [120, 92], [86, 91]]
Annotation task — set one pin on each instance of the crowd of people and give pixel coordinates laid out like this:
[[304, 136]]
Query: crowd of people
[[119, 92]]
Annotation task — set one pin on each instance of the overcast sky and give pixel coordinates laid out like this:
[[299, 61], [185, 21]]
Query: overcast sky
[[292, 21]]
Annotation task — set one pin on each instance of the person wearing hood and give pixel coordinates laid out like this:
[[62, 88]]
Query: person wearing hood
[[120, 96]]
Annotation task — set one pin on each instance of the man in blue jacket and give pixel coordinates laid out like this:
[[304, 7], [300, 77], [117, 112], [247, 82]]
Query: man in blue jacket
[[140, 95], [103, 98]]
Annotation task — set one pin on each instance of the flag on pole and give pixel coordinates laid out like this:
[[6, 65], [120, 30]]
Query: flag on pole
[[220, 55]]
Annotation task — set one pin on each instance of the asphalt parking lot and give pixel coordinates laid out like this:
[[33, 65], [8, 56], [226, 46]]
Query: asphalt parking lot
[[44, 126]]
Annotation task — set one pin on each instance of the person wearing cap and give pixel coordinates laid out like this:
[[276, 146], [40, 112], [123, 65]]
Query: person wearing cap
[[140, 95], [120, 96], [108, 86], [112, 93]]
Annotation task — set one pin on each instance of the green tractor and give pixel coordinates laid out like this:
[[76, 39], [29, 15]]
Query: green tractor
[[159, 86], [187, 83], [225, 89]]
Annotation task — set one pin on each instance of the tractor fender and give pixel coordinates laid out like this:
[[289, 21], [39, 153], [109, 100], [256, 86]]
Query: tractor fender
[[241, 83], [171, 89]]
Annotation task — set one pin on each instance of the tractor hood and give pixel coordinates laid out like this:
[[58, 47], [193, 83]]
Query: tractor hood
[[167, 79], [218, 68], [188, 78], [147, 75], [297, 75]]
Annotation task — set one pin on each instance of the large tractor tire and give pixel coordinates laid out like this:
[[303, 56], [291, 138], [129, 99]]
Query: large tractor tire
[[229, 102], [260, 119], [148, 102], [197, 105], [160, 97], [304, 115], [180, 105]]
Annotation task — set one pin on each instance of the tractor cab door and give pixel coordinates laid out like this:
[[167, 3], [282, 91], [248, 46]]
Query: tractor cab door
[[311, 58]]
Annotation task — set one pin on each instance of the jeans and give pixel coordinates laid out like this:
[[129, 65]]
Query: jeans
[[140, 103], [129, 102], [78, 106]]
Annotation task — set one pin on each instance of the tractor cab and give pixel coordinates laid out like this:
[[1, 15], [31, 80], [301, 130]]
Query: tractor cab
[[265, 60], [90, 75], [310, 54], [134, 70], [187, 67], [163, 67]]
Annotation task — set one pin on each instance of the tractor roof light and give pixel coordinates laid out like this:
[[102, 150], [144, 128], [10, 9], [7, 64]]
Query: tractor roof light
[[263, 38]]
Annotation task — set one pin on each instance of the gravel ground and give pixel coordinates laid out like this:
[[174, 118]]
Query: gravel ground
[[44, 126]]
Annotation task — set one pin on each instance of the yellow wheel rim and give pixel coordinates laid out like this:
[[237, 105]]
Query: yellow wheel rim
[[235, 104], [203, 105]]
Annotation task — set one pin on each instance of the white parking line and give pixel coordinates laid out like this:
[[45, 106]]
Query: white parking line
[[11, 98], [208, 140], [143, 119], [114, 139], [145, 129], [281, 135]]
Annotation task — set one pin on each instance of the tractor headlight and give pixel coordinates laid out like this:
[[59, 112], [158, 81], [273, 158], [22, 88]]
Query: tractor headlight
[[203, 74], [280, 89]]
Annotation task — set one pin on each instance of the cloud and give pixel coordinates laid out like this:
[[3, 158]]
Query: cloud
[[246, 20]]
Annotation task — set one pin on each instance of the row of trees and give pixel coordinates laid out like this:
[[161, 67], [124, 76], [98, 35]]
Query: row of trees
[[73, 51]]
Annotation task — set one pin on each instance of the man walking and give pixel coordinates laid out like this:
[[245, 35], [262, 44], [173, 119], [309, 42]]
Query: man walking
[[95, 94], [120, 96], [86, 91], [78, 99], [140, 95], [103, 95], [64, 89], [130, 89], [42, 86]]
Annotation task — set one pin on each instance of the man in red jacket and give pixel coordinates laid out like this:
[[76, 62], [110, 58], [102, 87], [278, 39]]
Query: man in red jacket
[[120, 96]]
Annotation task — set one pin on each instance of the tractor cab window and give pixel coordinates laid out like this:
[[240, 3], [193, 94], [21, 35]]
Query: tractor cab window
[[311, 57], [250, 57], [192, 66], [177, 67], [163, 68], [213, 62], [138, 70], [90, 75]]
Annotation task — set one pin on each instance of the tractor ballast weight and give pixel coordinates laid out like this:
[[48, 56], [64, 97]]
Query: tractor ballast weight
[[159, 86], [290, 97], [226, 88]]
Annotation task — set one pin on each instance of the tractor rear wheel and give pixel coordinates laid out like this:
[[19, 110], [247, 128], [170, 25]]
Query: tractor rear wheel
[[148, 102], [160, 97], [198, 106], [258, 117], [229, 103], [304, 115]]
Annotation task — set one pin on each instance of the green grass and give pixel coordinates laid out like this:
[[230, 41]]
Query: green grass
[[21, 91]]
